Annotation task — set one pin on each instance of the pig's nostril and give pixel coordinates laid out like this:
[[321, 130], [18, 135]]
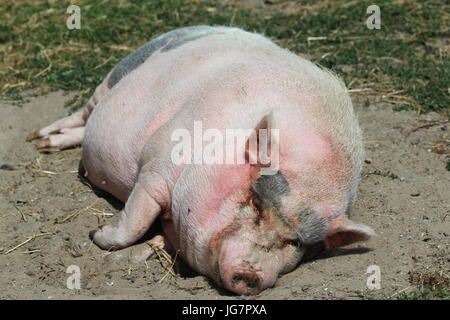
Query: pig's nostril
[[249, 279]]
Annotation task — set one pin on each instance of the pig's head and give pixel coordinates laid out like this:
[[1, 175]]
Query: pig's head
[[282, 219], [263, 242]]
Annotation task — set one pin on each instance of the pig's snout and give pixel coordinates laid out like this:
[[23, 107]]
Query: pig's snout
[[243, 281]]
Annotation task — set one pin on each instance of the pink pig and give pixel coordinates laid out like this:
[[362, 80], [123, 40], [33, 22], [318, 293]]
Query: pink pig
[[229, 221]]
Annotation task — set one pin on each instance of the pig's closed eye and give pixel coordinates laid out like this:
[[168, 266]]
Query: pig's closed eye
[[291, 242], [256, 204]]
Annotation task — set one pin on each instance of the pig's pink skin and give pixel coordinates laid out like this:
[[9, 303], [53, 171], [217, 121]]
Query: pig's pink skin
[[101, 91], [231, 257], [231, 79]]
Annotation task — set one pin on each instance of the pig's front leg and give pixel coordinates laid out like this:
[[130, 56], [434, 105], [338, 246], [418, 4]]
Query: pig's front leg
[[139, 213]]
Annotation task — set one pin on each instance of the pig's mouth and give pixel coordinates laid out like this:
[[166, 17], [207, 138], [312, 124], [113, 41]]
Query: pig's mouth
[[244, 281], [235, 273], [233, 269]]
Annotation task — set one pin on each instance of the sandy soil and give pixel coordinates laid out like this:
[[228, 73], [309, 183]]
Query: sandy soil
[[409, 210]]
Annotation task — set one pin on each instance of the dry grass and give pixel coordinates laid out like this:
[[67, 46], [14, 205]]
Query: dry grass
[[433, 280]]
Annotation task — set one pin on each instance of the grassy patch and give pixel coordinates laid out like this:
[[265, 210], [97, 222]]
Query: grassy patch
[[406, 61], [432, 285], [388, 174], [425, 294]]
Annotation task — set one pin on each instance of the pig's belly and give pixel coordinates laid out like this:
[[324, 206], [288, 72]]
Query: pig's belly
[[113, 141]]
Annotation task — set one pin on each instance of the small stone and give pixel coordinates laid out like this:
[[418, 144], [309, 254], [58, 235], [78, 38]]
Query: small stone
[[65, 236], [40, 216], [306, 288], [7, 167]]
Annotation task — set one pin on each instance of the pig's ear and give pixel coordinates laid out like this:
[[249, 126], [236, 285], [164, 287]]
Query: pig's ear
[[261, 147], [342, 231]]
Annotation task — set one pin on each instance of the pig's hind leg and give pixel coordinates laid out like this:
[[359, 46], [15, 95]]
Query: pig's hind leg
[[66, 137], [62, 133], [69, 131], [141, 252]]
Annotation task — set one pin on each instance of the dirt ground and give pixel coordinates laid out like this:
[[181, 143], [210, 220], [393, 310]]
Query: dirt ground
[[404, 196]]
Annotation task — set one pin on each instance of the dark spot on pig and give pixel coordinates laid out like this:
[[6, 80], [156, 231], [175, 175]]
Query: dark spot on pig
[[313, 227], [175, 43], [271, 188], [134, 59], [165, 42]]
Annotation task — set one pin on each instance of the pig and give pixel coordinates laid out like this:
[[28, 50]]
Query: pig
[[233, 222]]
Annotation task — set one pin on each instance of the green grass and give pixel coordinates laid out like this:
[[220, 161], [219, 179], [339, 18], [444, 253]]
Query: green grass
[[426, 294], [430, 285], [388, 174], [406, 61]]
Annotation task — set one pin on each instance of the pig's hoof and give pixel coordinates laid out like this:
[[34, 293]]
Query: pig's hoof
[[140, 252], [93, 232], [44, 144], [105, 238], [60, 138], [32, 136]]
